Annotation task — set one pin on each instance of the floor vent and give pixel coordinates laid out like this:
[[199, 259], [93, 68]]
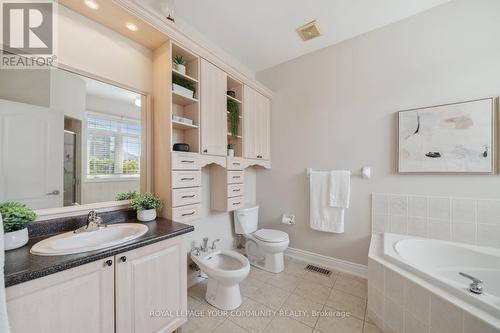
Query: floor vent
[[320, 270]]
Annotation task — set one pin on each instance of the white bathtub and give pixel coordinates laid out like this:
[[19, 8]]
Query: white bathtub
[[439, 262]]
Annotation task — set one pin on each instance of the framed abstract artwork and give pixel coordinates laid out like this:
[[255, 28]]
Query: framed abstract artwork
[[451, 138]]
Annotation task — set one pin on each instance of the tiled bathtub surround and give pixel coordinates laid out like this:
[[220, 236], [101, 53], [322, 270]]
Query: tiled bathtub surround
[[396, 304], [466, 220]]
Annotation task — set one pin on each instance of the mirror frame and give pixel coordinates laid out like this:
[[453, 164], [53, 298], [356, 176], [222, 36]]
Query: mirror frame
[[146, 156]]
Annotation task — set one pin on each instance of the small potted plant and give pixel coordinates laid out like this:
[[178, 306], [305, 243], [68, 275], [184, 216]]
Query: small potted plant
[[234, 117], [16, 218], [129, 195], [146, 205], [180, 64], [183, 87], [230, 150]]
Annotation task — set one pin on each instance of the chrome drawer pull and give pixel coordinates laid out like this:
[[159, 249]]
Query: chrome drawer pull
[[236, 190], [187, 196], [190, 178], [236, 203], [187, 214], [187, 161], [236, 177], [236, 163]]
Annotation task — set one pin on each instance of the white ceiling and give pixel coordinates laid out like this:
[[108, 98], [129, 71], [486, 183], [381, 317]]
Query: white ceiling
[[261, 33]]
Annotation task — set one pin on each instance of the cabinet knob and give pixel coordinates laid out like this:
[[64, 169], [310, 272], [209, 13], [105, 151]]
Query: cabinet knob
[[123, 258], [205, 150], [109, 262]]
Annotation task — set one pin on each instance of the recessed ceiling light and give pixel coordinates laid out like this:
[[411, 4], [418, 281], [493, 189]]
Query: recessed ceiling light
[[92, 4], [309, 31], [132, 26]]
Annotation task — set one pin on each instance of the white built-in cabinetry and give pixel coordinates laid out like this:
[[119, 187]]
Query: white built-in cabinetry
[[82, 299], [256, 113], [177, 175], [213, 110]]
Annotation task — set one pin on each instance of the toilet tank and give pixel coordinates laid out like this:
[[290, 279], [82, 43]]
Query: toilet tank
[[246, 220]]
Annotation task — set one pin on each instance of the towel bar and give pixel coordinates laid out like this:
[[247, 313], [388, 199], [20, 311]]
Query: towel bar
[[365, 172]]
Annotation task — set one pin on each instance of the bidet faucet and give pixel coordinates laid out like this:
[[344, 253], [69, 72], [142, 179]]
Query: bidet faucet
[[213, 244], [204, 248], [476, 286]]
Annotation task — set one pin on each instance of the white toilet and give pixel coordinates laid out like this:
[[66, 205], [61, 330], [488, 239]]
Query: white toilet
[[264, 247], [225, 270]]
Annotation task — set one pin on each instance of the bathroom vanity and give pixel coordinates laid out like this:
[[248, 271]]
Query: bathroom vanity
[[139, 286]]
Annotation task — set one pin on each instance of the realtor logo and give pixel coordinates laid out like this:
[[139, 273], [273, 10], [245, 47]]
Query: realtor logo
[[27, 33]]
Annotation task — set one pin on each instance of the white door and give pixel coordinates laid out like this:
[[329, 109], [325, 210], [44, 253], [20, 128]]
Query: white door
[[31, 154], [250, 149], [78, 300], [151, 288]]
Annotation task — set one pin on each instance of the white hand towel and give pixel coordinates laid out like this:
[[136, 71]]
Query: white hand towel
[[322, 216], [340, 188], [4, 322]]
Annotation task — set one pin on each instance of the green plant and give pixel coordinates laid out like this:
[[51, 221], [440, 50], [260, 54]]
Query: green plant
[[184, 83], [234, 117], [129, 195], [179, 60], [16, 216], [146, 201]]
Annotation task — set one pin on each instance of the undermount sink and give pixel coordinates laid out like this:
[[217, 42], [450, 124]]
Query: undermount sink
[[71, 243]]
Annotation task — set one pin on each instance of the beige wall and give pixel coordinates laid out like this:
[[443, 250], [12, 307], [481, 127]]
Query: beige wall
[[91, 47], [336, 109]]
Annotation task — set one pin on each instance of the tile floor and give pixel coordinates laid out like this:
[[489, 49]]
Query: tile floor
[[285, 302]]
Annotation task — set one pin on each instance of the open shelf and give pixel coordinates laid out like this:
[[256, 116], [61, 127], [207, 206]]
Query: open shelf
[[182, 100], [234, 137], [184, 76], [183, 126], [233, 99], [186, 106]]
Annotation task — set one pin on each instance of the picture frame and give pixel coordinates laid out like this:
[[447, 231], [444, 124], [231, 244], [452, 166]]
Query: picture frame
[[454, 138]]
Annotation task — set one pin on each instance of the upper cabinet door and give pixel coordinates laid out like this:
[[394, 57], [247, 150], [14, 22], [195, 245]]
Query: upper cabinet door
[[256, 121], [264, 124], [250, 134], [213, 83]]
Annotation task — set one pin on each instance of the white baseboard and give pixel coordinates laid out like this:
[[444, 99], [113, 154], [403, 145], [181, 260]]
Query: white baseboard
[[334, 263]]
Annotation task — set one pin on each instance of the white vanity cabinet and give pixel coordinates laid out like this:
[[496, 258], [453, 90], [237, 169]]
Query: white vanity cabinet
[[120, 294], [151, 288], [77, 300], [256, 122]]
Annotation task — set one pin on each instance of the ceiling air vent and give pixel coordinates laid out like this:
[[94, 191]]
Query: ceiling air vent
[[309, 31]]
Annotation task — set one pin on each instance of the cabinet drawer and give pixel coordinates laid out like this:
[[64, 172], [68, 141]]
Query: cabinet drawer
[[186, 213], [235, 190], [185, 161], [234, 163], [235, 203], [235, 177], [186, 196], [186, 179]]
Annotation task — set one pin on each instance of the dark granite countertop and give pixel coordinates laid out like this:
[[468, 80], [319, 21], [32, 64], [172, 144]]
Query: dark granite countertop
[[22, 266]]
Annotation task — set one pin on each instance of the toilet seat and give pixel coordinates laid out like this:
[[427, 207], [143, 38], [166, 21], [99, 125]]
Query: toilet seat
[[271, 235]]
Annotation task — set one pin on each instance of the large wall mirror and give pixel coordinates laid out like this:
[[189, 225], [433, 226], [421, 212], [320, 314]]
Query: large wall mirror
[[66, 139]]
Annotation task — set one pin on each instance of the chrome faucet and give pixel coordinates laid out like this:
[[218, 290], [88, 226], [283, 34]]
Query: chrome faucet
[[204, 248], [213, 244], [94, 223], [476, 286]]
